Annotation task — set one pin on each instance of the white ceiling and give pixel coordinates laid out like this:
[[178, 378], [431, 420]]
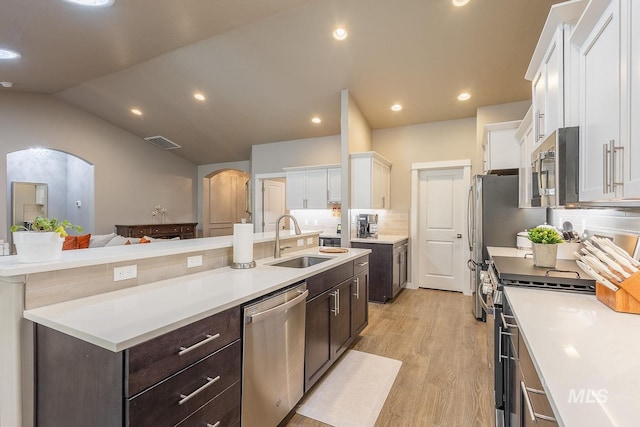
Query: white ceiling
[[268, 66]]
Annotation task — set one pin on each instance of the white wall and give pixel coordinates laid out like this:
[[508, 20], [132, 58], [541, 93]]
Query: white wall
[[131, 175], [272, 157], [431, 142]]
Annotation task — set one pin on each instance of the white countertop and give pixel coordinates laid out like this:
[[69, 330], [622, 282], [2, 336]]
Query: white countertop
[[579, 345], [9, 265], [121, 319], [565, 251], [386, 239]]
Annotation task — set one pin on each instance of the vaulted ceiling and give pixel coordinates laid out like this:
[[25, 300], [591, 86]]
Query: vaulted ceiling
[[267, 67]]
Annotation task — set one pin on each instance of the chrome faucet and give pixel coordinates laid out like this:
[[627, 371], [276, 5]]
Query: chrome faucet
[[277, 250]]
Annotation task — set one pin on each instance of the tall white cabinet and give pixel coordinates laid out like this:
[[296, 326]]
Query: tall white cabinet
[[607, 39], [307, 189], [370, 181], [526, 138]]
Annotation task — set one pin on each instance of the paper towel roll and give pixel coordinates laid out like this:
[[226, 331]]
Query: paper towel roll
[[242, 243]]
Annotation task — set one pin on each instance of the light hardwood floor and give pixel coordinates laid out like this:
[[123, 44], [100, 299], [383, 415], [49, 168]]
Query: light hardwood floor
[[445, 379]]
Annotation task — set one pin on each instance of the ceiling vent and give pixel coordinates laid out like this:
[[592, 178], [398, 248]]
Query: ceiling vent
[[162, 142]]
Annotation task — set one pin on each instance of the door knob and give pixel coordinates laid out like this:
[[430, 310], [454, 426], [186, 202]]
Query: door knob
[[459, 236]]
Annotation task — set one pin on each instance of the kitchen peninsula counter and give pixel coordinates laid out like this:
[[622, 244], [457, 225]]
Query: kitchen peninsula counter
[[384, 239], [585, 354], [121, 319]]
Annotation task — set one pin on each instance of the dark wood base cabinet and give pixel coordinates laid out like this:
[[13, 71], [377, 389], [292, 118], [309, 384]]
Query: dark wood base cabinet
[[170, 380], [388, 268], [337, 310]]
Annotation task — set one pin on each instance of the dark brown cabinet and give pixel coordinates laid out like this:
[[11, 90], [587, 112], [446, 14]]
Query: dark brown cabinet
[[336, 312], [159, 231], [388, 268], [190, 376]]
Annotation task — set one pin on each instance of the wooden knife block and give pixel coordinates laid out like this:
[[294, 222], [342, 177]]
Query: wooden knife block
[[626, 299]]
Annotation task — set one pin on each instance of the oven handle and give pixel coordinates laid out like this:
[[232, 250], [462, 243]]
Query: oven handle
[[484, 305]]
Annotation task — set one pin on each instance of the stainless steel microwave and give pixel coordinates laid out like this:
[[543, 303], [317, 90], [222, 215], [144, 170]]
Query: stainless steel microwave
[[555, 169]]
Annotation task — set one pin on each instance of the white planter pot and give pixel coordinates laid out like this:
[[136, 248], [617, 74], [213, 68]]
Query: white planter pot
[[544, 255], [38, 246]]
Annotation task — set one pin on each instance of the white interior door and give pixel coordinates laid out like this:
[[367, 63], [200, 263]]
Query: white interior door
[[442, 197], [273, 199]]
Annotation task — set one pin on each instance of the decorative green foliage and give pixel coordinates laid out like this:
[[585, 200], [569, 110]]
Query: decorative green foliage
[[48, 224], [545, 235]]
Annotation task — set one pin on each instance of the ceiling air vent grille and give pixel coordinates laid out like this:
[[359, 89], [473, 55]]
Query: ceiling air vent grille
[[162, 142]]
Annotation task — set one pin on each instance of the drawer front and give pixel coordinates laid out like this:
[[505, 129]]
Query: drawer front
[[140, 232], [166, 229], [187, 228], [360, 264], [222, 411], [324, 281], [165, 355], [195, 386]]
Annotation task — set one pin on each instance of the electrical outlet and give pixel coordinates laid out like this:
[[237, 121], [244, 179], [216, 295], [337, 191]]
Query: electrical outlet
[[194, 261], [300, 242], [125, 273]]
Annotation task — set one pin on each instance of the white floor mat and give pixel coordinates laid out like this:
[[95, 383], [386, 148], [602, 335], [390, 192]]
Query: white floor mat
[[353, 392]]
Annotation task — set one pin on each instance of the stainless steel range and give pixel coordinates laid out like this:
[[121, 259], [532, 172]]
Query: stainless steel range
[[511, 271]]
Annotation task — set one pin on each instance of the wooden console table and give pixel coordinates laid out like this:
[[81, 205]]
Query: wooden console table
[[162, 231]]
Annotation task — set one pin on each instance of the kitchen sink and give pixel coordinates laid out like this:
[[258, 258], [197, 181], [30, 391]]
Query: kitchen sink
[[302, 261]]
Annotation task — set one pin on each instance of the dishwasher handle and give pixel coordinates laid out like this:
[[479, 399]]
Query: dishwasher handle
[[256, 317]]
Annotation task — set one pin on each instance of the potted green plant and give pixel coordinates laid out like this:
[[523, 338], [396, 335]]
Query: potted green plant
[[42, 240], [544, 243]]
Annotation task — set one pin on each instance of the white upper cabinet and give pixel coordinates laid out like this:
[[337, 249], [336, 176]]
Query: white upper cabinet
[[501, 148], [551, 71], [524, 135], [606, 37], [370, 181], [307, 188], [334, 177]]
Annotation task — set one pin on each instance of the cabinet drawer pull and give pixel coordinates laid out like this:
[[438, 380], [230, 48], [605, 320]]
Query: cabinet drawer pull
[[504, 321], [217, 424], [534, 416], [184, 350], [362, 264], [186, 398]]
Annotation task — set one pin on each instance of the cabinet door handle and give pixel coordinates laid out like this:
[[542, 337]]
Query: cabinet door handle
[[614, 163], [540, 126], [185, 398], [336, 304], [533, 416], [184, 350], [605, 168], [357, 294]]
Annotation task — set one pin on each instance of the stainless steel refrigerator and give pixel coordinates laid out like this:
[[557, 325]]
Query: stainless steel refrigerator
[[494, 220]]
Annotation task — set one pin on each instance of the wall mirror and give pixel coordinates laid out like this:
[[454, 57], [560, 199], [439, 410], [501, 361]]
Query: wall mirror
[[28, 200]]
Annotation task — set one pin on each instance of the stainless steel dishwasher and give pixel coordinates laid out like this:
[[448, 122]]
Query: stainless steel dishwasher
[[273, 356]]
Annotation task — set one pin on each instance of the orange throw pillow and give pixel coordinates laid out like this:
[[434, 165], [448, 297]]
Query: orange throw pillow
[[143, 240], [70, 242], [83, 241]]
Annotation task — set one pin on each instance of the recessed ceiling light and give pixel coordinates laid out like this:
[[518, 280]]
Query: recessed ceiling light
[[136, 111], [464, 96], [316, 120], [92, 3], [199, 96], [9, 54], [340, 34], [396, 107], [459, 3]]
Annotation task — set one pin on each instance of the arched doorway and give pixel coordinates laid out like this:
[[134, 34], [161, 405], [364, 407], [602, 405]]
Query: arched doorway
[[226, 201]]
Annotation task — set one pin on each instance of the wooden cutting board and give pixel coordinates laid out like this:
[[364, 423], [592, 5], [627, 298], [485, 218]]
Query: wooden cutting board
[[327, 250]]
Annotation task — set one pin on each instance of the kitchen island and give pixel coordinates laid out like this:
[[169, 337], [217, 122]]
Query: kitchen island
[[141, 308], [586, 355]]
